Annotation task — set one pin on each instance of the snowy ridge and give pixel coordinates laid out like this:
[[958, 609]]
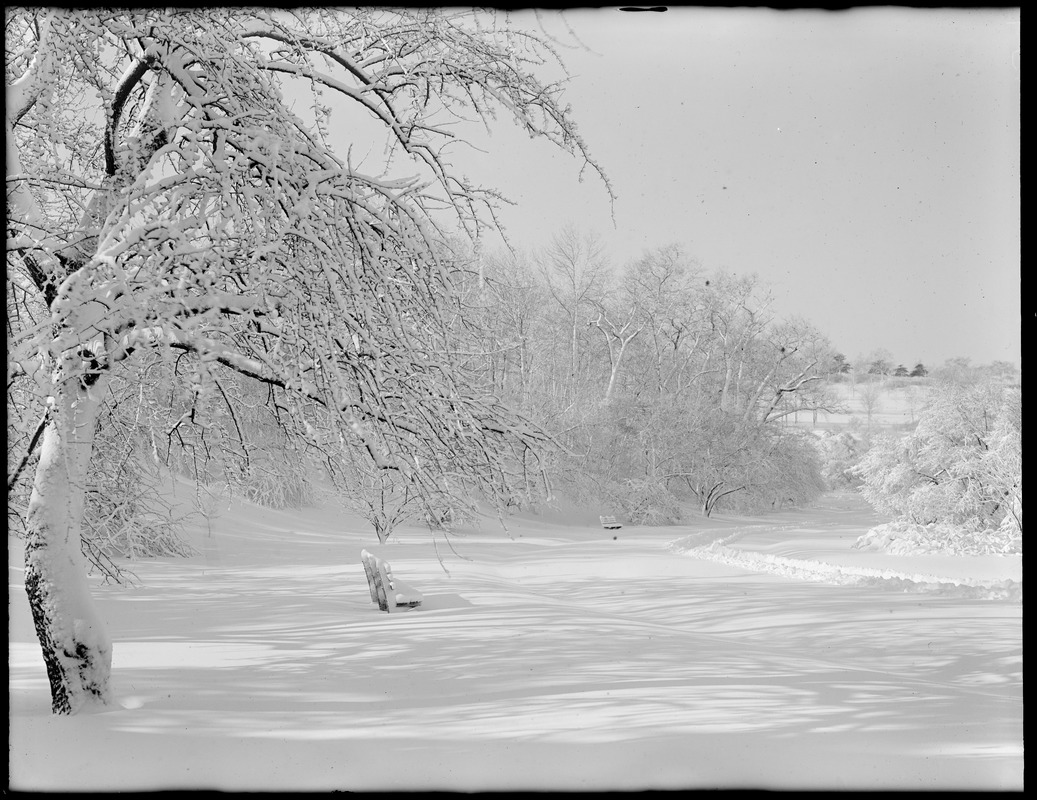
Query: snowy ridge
[[719, 551]]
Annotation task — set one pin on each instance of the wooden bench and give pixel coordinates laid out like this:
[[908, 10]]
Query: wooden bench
[[389, 593], [609, 523]]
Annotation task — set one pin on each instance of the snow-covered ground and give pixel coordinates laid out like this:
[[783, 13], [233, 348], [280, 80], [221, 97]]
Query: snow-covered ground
[[730, 652]]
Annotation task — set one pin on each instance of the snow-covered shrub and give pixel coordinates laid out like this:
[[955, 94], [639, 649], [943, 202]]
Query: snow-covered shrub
[[961, 467], [448, 513], [584, 488], [275, 482], [840, 453], [647, 502], [387, 498], [902, 537], [222, 430], [382, 499], [775, 469], [127, 514]]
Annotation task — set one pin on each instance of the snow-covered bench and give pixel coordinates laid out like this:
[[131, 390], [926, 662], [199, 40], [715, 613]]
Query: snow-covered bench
[[389, 593], [609, 523]]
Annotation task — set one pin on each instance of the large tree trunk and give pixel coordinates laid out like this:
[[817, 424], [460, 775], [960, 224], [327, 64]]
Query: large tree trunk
[[76, 647]]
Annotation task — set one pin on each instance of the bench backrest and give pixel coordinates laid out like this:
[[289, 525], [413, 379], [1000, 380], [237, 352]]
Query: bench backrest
[[369, 570], [379, 579]]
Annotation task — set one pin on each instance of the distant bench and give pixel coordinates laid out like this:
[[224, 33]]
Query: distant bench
[[609, 523], [390, 594]]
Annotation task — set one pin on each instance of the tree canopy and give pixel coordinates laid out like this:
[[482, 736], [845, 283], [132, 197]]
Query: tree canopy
[[181, 196]]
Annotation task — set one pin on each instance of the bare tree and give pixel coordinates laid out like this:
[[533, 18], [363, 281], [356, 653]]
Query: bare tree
[[669, 289], [738, 317], [871, 396], [798, 356], [162, 195], [913, 400], [619, 330], [711, 377], [508, 307], [575, 270]]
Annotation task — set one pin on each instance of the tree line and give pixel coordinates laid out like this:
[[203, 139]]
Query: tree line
[[879, 363], [660, 381]]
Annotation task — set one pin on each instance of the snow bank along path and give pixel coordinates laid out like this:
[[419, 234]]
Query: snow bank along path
[[818, 552], [558, 658]]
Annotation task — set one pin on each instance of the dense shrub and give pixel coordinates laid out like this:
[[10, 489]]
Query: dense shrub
[[839, 454], [961, 467], [648, 502]]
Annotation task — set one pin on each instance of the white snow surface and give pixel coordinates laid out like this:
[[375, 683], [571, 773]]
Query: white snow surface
[[732, 652]]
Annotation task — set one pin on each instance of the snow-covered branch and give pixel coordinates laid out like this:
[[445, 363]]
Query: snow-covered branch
[[168, 211]]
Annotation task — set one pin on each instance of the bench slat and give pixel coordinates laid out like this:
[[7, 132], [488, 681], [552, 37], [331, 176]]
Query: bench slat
[[369, 571]]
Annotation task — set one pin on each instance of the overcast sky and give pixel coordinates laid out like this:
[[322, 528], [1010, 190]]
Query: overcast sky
[[864, 164]]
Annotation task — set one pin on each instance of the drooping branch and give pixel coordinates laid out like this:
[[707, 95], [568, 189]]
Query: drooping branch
[[791, 387]]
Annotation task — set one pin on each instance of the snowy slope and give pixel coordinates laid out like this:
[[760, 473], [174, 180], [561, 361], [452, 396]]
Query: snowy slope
[[729, 652]]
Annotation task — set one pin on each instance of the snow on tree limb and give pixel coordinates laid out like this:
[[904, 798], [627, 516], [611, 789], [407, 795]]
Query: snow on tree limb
[[166, 206]]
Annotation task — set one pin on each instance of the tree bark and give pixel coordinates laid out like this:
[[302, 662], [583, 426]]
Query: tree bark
[[76, 648]]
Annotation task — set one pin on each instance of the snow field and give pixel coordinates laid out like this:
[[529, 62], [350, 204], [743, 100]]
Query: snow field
[[558, 658]]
